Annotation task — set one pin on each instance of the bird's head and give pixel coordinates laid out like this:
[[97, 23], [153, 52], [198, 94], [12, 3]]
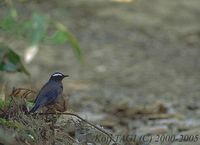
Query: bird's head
[[57, 76]]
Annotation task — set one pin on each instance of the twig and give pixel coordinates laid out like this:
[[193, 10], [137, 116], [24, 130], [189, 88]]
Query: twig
[[72, 114], [16, 91]]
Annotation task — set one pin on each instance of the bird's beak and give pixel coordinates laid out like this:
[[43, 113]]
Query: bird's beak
[[66, 76]]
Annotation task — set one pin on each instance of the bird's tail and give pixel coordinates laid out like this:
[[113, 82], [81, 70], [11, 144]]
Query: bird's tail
[[35, 107]]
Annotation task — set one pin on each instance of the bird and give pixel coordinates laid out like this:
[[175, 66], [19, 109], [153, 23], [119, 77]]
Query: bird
[[50, 92]]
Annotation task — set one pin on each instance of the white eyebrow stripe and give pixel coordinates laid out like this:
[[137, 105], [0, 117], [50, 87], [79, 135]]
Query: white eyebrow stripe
[[57, 75]]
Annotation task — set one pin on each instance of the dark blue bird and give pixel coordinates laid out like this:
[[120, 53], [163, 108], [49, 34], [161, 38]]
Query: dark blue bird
[[49, 92]]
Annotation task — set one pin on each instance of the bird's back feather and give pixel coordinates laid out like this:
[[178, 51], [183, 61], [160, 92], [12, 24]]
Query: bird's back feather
[[47, 95]]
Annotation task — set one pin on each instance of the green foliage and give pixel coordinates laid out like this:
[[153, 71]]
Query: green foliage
[[62, 35], [29, 105], [9, 123], [36, 28], [3, 104], [74, 44], [35, 31], [10, 61], [7, 24]]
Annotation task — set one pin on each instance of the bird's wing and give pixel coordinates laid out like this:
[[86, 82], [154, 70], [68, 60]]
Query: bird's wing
[[47, 95]]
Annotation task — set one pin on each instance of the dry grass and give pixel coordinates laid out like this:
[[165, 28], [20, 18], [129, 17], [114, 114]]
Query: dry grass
[[41, 128]]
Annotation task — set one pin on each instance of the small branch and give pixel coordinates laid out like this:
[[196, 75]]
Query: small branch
[[16, 91], [72, 114]]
